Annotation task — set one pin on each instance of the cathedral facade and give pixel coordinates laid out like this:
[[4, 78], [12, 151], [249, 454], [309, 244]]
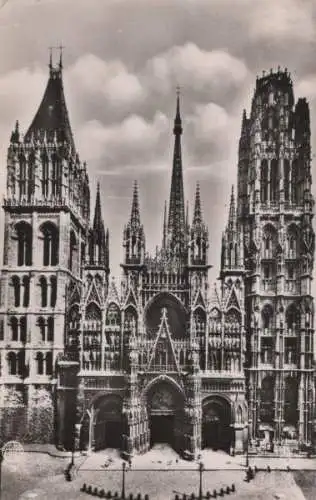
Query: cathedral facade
[[90, 362]]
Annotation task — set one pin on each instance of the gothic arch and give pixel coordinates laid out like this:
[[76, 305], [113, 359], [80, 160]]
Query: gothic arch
[[50, 237], [158, 380], [267, 316], [93, 312], [293, 317], [24, 237], [113, 314], [176, 315]]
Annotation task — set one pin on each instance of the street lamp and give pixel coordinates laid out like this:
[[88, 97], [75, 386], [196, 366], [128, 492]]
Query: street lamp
[[123, 480], [1, 460], [201, 468]]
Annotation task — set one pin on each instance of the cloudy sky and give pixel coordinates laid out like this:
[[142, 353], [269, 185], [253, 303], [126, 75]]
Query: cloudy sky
[[123, 60]]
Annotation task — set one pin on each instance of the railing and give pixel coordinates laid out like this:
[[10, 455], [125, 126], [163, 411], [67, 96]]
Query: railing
[[291, 286], [268, 284]]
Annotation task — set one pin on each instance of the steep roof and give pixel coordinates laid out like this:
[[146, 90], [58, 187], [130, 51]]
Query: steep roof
[[52, 117]]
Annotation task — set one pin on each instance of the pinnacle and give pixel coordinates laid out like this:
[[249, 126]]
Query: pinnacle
[[135, 214], [232, 213], [197, 217]]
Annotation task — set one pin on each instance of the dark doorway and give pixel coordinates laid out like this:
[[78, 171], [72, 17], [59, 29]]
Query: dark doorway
[[216, 430], [162, 429], [108, 435], [211, 435]]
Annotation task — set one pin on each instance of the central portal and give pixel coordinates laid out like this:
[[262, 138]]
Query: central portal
[[162, 429], [165, 405]]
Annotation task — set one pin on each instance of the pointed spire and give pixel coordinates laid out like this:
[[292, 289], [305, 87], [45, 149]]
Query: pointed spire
[[135, 214], [176, 220], [50, 64], [177, 122], [232, 222], [197, 217], [61, 57], [164, 238], [97, 221]]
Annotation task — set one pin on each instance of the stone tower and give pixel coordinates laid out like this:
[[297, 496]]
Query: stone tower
[[275, 210], [46, 214]]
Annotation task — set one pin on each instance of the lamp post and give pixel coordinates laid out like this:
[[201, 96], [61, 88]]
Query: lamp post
[[123, 480], [247, 446], [201, 468], [1, 460]]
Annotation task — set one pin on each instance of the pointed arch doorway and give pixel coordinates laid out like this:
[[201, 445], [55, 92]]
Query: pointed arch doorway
[[103, 426], [216, 424], [165, 404]]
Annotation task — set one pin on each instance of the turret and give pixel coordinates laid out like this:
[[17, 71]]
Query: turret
[[134, 237], [198, 234], [98, 239], [232, 241]]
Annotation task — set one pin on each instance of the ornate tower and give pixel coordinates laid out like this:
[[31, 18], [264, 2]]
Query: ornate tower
[[276, 216], [46, 215]]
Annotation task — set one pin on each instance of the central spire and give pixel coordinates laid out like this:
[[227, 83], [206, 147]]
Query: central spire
[[176, 219]]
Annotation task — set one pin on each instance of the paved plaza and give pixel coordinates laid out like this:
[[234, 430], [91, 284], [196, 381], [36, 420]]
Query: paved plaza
[[39, 476]]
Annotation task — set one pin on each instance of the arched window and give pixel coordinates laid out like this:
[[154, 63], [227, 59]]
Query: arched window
[[43, 285], [12, 363], [72, 251], [53, 291], [40, 363], [26, 295], [49, 363], [23, 328], [269, 241], [22, 176], [113, 315], [24, 238], [50, 244], [292, 318], [264, 181], [14, 329], [292, 241], [45, 176], [286, 180], [130, 317], [274, 181], [267, 318], [50, 329], [17, 290], [41, 324], [199, 320]]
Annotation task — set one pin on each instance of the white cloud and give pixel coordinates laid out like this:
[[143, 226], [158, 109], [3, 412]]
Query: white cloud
[[210, 120], [307, 87], [194, 68], [134, 138], [111, 79], [282, 20]]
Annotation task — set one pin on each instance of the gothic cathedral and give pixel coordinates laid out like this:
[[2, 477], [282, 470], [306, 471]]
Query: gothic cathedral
[[90, 362]]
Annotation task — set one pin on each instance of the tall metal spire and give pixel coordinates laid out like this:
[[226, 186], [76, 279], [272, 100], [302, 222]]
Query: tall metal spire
[[135, 214], [176, 219]]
